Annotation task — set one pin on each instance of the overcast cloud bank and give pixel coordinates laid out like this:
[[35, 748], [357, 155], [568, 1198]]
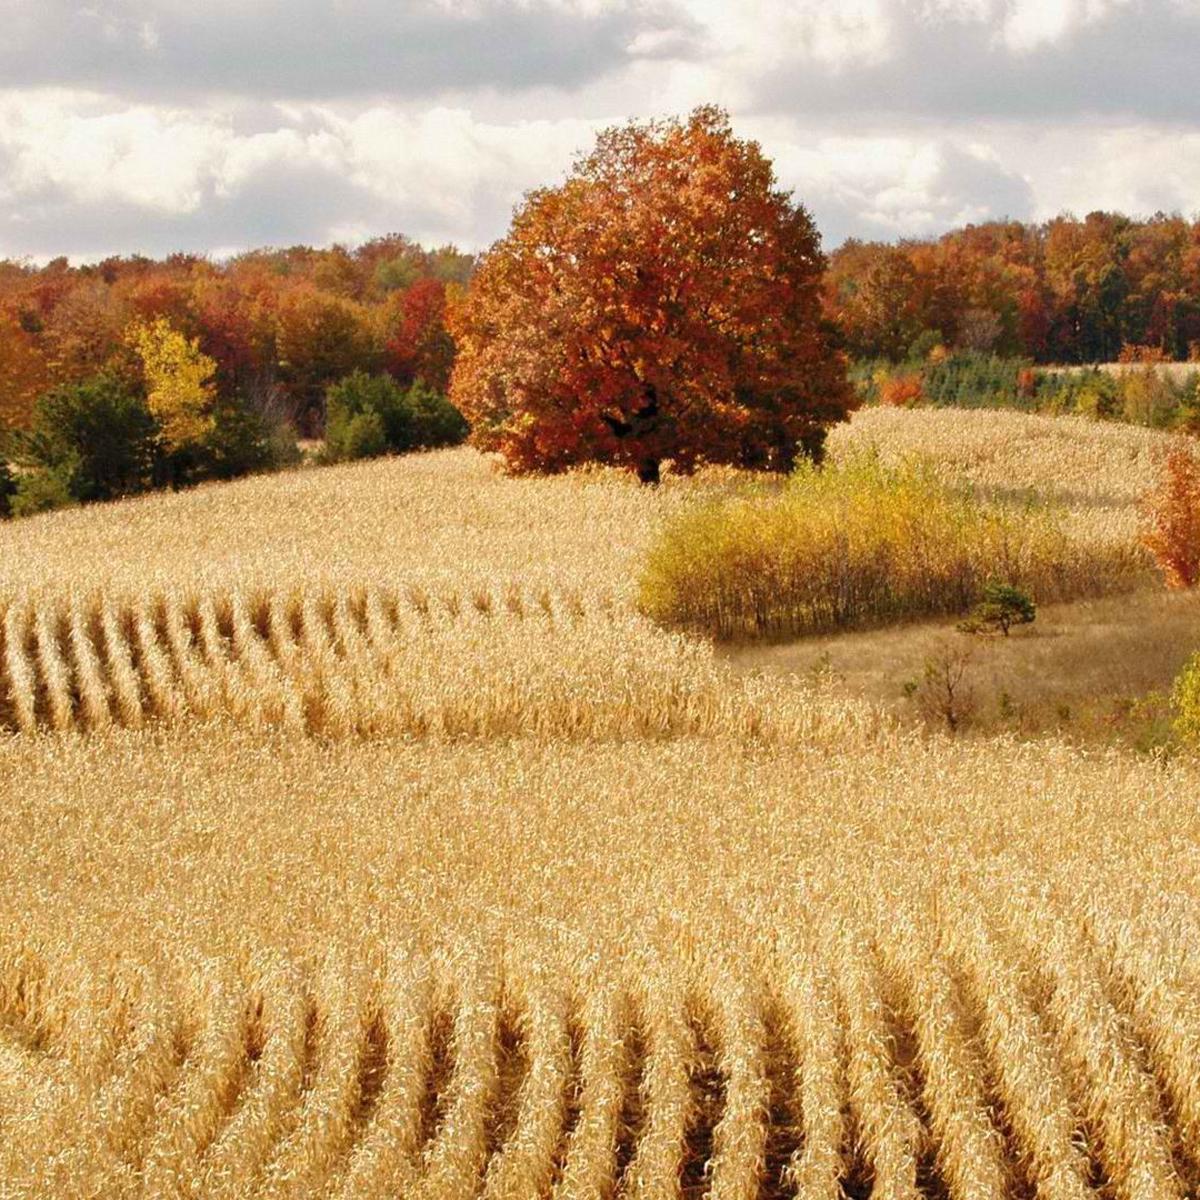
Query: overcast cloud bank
[[154, 125]]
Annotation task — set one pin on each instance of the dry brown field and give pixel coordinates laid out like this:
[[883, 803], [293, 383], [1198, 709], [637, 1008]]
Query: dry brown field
[[360, 839], [1176, 371]]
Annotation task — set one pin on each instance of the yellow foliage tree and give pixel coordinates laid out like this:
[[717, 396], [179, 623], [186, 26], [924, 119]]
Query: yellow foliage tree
[[179, 381]]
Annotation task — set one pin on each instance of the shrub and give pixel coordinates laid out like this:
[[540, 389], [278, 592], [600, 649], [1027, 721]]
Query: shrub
[[41, 491], [1132, 352], [1185, 701], [244, 440], [368, 415], [8, 489], [945, 692], [867, 376], [1144, 394], [971, 379], [902, 391], [362, 414], [1098, 396], [925, 344], [1001, 607], [98, 437], [1187, 416], [958, 379], [1172, 514], [360, 435], [98, 440], [852, 545], [1148, 397], [360, 395], [282, 450], [436, 422]]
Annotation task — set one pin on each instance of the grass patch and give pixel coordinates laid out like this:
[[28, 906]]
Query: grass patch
[[1097, 671], [858, 544]]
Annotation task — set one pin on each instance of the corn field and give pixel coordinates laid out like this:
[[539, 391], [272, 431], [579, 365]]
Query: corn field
[[1095, 470], [421, 866], [372, 662]]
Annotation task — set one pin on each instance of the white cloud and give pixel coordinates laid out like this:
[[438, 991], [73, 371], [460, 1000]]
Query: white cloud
[[1030, 24], [242, 158], [898, 186], [888, 117], [438, 173], [660, 43], [770, 32], [1128, 168], [151, 157]]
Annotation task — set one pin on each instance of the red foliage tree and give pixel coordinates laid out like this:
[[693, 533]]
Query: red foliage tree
[[663, 303], [282, 325], [417, 345], [1069, 290], [320, 338], [880, 292], [84, 333], [902, 391], [235, 318]]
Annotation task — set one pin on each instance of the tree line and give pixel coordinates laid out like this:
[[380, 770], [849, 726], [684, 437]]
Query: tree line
[[281, 326], [1068, 290], [133, 374]]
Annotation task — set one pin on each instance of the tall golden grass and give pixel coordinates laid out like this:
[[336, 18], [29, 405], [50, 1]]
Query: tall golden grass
[[360, 839], [863, 543]]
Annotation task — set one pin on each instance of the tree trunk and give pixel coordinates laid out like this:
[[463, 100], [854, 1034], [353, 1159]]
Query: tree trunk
[[647, 470], [813, 445]]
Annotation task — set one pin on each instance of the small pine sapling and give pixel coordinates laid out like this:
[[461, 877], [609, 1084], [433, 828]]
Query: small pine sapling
[[1000, 608]]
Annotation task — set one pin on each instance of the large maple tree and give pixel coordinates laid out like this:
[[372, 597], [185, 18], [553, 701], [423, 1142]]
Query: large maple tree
[[662, 304]]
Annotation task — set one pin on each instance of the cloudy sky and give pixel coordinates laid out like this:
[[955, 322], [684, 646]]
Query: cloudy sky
[[215, 125]]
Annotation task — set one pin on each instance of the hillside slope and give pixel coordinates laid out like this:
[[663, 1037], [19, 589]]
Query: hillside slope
[[361, 840]]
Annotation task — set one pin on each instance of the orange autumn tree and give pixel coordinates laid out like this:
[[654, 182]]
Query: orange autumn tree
[[23, 373], [1172, 513], [662, 304]]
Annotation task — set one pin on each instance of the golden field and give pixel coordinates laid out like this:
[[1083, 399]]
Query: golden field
[[362, 840]]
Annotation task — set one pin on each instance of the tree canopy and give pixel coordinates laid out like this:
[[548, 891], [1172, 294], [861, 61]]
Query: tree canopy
[[281, 326], [1069, 290], [179, 382], [663, 303]]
